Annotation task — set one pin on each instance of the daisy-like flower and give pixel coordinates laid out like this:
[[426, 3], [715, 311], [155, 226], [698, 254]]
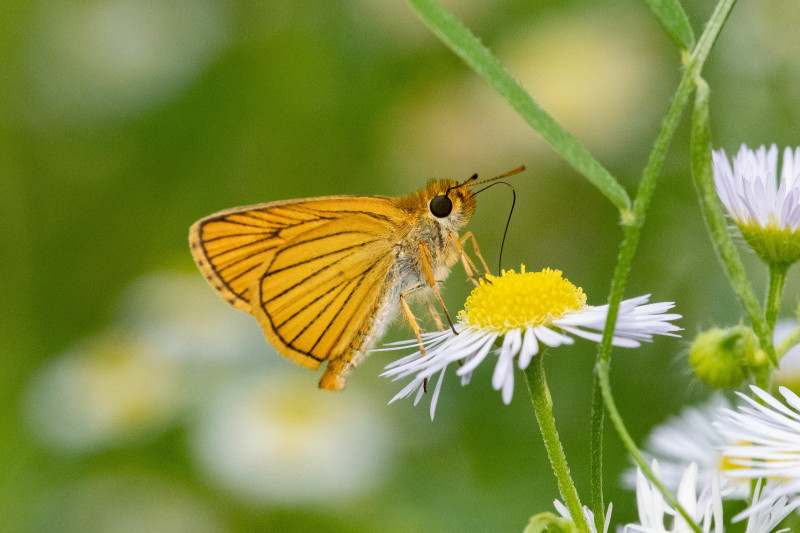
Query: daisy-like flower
[[766, 210], [703, 505], [511, 316], [690, 437], [766, 511], [703, 502], [764, 440]]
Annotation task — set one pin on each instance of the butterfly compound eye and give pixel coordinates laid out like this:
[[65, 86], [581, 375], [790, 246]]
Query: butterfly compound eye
[[441, 206]]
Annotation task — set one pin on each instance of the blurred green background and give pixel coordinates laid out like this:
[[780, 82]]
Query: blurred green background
[[133, 399]]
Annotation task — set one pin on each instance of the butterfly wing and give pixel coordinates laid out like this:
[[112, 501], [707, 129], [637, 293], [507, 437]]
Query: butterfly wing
[[311, 271], [317, 294]]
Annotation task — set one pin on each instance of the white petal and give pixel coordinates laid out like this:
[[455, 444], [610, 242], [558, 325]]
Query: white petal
[[530, 347]]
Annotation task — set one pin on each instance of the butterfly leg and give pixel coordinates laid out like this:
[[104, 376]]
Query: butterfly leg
[[466, 262], [469, 235], [414, 326], [435, 315], [412, 320], [427, 259]]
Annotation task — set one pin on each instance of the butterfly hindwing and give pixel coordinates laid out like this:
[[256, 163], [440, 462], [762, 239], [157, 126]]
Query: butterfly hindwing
[[309, 270], [317, 292]]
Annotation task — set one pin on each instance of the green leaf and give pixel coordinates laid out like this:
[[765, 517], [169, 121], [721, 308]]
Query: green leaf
[[469, 48], [674, 20], [549, 523]]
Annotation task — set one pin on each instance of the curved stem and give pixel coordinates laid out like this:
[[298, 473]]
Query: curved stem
[[641, 204], [616, 419], [543, 408], [792, 339], [715, 221], [596, 502]]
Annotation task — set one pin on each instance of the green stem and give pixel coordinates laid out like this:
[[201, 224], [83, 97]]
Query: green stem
[[630, 445], [596, 496], [714, 217], [792, 339], [543, 408], [777, 277], [630, 241]]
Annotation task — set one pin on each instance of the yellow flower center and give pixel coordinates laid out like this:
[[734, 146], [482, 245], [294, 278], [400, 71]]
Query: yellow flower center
[[512, 301]]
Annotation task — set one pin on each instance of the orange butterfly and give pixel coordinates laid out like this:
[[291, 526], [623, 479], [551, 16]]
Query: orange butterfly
[[323, 275]]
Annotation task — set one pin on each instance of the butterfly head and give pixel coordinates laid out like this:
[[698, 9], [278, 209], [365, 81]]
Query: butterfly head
[[450, 203]]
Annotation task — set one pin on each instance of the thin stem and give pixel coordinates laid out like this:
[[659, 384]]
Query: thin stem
[[630, 445], [715, 220], [630, 241], [543, 408], [777, 277], [596, 497], [792, 339]]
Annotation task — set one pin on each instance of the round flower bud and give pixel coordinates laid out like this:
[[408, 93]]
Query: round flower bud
[[723, 358], [550, 523]]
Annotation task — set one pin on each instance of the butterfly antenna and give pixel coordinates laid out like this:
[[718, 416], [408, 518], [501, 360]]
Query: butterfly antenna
[[501, 176], [474, 178], [510, 212], [463, 183]]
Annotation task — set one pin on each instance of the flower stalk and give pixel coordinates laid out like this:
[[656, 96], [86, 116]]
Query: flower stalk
[[641, 204], [777, 278], [543, 408]]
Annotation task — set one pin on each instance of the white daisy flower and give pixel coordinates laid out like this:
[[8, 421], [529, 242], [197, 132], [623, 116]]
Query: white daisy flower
[[763, 438], [266, 442], [767, 510], [510, 316], [703, 504], [767, 210], [105, 392], [690, 437], [764, 442]]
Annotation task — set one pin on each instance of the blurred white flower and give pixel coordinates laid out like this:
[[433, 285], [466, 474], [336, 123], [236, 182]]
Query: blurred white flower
[[274, 440], [125, 503], [690, 437], [170, 346], [788, 372], [175, 316], [91, 60], [763, 439], [106, 392], [703, 502]]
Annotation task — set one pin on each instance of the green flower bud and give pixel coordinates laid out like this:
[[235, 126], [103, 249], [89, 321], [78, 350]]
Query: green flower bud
[[549, 523], [723, 358]]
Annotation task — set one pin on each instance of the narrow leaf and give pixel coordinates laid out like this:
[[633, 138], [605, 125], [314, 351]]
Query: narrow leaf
[[674, 21], [469, 48]]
